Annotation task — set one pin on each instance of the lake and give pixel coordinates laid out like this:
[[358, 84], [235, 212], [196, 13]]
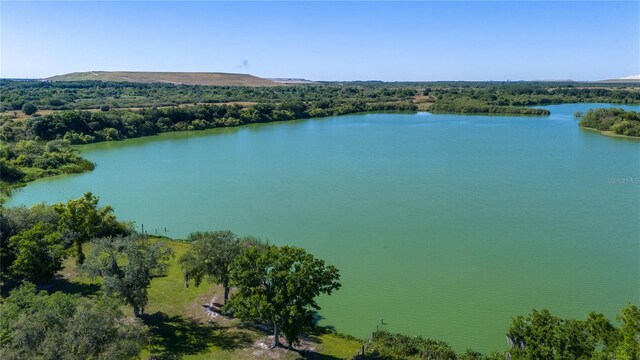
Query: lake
[[444, 226]]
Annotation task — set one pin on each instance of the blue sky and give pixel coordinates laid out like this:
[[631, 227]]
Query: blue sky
[[391, 41]]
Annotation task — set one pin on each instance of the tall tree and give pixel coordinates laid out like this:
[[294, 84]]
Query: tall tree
[[279, 286], [127, 266], [211, 255], [39, 253], [82, 220]]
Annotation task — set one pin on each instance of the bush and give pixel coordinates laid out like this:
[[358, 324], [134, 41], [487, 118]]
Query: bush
[[29, 109], [615, 120], [59, 326]]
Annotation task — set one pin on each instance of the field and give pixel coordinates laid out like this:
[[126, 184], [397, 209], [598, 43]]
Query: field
[[187, 78], [181, 327]]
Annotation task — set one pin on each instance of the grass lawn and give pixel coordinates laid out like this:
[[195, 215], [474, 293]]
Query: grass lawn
[[181, 328]]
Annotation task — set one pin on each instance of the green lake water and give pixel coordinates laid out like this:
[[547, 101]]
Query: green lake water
[[445, 226]]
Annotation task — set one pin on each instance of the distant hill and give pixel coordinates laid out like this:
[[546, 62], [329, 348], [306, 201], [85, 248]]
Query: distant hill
[[188, 78]]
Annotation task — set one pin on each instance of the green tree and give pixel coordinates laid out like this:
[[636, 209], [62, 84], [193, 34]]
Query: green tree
[[629, 348], [29, 109], [541, 335], [127, 265], [211, 255], [278, 285], [82, 220], [35, 325], [15, 220], [603, 334], [39, 253], [385, 345]]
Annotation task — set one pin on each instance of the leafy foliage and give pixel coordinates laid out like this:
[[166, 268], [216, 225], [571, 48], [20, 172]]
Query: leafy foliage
[[473, 106], [397, 346], [39, 253], [541, 335], [615, 120], [211, 255], [82, 220], [27, 160], [628, 347], [278, 285], [34, 325], [29, 109], [127, 265], [18, 220]]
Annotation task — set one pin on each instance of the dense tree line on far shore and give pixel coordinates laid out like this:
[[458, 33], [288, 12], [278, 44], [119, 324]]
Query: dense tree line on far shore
[[94, 94], [81, 127], [473, 106]]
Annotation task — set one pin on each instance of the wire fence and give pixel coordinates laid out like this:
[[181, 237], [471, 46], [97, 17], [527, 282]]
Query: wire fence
[[365, 345]]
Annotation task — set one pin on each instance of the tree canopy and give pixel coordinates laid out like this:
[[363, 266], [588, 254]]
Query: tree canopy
[[39, 251], [541, 335], [127, 265], [82, 220], [35, 325], [279, 286], [615, 120], [29, 109], [211, 255]]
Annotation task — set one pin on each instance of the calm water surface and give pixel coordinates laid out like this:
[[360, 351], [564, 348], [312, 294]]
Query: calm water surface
[[443, 225]]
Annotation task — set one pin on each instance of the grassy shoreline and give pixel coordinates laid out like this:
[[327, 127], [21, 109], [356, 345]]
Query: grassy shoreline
[[610, 133]]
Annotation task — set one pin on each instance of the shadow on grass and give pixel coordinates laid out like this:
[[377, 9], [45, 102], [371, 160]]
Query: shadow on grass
[[72, 287], [57, 284], [175, 336], [316, 356]]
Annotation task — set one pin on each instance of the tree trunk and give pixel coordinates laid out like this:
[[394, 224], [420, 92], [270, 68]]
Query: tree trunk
[[136, 311], [276, 336], [79, 253], [226, 294]]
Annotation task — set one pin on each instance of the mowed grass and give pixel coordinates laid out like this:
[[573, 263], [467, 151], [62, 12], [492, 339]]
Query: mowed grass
[[180, 328]]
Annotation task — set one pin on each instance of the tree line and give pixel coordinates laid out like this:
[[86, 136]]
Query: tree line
[[95, 94], [474, 106]]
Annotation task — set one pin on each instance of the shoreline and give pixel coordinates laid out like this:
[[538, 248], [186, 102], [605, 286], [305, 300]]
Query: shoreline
[[610, 133], [11, 187]]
